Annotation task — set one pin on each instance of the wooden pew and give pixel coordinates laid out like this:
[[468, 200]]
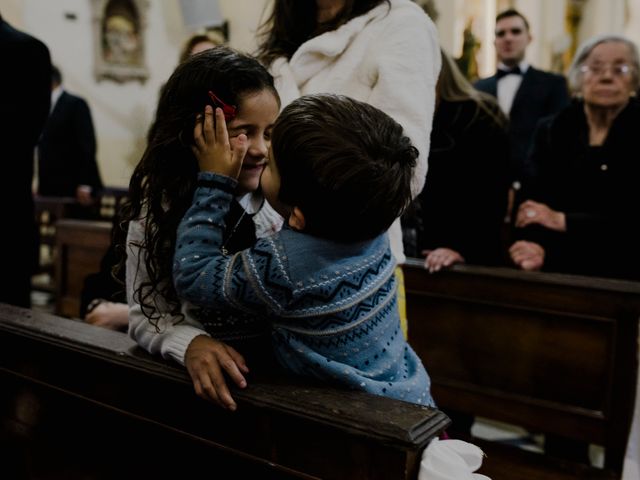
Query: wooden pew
[[51, 210], [80, 246], [552, 353], [69, 387], [48, 211]]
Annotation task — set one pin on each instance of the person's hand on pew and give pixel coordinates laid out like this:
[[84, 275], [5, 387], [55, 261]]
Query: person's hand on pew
[[111, 315], [532, 213], [441, 258], [207, 360], [527, 255], [83, 195]]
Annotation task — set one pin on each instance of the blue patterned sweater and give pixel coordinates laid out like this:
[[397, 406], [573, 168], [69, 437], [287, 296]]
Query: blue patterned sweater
[[332, 307]]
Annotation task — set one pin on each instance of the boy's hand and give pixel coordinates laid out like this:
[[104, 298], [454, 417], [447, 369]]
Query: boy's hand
[[212, 148], [206, 359]]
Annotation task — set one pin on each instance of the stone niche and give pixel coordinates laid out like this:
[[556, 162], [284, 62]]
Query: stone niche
[[119, 39]]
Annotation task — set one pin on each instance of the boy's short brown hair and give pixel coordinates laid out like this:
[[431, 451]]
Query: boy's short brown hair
[[345, 164]]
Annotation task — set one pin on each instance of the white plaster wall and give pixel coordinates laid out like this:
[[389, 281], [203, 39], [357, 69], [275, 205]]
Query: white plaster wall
[[448, 34], [603, 16], [12, 11], [244, 17], [546, 19], [632, 25], [452, 20], [122, 112]]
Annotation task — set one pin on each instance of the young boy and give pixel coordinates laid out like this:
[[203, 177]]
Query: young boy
[[339, 172]]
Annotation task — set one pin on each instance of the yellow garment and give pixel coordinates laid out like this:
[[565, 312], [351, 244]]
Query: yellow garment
[[402, 302]]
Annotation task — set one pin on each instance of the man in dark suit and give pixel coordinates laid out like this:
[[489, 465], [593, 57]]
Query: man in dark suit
[[67, 149], [524, 93], [25, 88]]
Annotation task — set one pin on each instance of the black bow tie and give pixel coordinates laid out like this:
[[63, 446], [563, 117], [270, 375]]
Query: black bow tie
[[501, 73]]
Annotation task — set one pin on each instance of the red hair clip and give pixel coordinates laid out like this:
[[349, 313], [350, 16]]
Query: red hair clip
[[228, 110]]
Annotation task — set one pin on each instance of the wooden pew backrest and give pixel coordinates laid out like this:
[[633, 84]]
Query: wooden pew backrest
[[80, 246], [553, 353]]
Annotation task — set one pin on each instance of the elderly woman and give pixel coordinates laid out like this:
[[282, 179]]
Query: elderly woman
[[583, 197]]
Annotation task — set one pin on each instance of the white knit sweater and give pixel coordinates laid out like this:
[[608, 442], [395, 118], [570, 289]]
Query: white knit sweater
[[171, 339]]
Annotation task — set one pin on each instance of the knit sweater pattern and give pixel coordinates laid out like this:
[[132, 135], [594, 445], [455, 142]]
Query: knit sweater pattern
[[331, 307]]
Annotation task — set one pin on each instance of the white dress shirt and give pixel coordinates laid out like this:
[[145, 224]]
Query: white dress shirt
[[508, 86]]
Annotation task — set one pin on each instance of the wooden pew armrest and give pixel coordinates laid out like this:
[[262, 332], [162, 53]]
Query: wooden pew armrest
[[292, 425]]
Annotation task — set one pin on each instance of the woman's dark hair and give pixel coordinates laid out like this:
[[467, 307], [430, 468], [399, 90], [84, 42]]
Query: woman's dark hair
[[512, 12], [453, 86], [162, 185], [345, 164], [293, 22]]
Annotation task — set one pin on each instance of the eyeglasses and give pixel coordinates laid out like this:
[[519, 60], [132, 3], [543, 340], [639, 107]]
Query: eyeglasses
[[512, 31], [620, 70]]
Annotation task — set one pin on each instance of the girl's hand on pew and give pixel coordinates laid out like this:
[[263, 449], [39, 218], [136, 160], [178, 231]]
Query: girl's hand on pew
[[207, 360], [112, 315]]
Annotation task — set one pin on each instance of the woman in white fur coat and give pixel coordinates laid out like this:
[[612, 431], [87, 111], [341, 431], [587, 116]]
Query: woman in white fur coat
[[383, 52]]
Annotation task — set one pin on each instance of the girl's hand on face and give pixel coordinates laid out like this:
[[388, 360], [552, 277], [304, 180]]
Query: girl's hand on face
[[212, 148]]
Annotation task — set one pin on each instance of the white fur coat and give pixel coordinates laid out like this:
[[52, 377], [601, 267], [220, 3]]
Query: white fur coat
[[389, 58]]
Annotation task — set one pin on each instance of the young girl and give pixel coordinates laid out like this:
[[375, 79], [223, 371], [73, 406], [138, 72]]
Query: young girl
[[161, 190]]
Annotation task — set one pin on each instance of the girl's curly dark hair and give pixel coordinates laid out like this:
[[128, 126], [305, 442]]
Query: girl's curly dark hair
[[163, 183]]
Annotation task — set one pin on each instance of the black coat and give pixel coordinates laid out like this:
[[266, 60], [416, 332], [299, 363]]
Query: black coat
[[540, 94], [463, 203], [25, 91], [597, 189], [67, 149]]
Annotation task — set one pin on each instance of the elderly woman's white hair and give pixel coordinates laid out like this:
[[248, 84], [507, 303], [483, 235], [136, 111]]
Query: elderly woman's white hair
[[576, 76]]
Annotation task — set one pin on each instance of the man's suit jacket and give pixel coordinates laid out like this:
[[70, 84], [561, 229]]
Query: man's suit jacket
[[67, 149], [25, 94], [540, 94]]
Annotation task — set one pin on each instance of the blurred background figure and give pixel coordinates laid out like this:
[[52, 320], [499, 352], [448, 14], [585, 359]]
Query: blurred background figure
[[196, 43], [525, 94], [25, 89], [460, 211], [582, 202], [67, 149], [200, 42]]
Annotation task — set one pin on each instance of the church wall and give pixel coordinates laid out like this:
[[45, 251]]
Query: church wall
[[123, 111]]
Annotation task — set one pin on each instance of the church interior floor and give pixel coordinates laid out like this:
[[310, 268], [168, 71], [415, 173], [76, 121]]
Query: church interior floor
[[513, 435]]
